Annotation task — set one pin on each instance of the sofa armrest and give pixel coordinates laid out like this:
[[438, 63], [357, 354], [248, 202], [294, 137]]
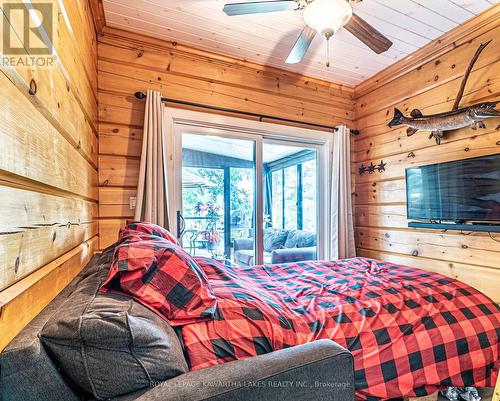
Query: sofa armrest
[[321, 370], [243, 244], [287, 255]]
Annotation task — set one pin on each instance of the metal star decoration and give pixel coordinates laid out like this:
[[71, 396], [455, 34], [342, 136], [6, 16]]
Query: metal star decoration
[[362, 170], [371, 168], [381, 166]]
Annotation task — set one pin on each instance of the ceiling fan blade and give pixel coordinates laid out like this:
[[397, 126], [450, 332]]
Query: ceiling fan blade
[[301, 45], [259, 7], [368, 34]]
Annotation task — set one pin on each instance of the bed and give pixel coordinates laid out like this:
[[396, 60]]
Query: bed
[[411, 332]]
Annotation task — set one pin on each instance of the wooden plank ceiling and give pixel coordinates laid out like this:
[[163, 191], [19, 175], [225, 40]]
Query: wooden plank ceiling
[[267, 38]]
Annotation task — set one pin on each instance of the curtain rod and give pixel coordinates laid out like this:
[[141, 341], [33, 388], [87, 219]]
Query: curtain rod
[[141, 96]]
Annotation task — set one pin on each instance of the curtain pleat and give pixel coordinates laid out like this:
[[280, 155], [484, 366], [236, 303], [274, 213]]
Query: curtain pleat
[[342, 228], [152, 195]]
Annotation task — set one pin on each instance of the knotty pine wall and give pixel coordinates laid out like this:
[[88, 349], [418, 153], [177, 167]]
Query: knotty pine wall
[[48, 170], [129, 63], [380, 215]]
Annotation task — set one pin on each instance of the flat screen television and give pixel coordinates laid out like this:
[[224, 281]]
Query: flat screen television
[[460, 191]]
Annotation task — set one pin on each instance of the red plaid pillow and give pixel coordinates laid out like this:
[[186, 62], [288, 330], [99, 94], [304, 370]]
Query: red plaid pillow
[[163, 277], [134, 227]]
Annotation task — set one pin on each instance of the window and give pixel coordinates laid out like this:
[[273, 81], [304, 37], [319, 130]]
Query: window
[[293, 191]]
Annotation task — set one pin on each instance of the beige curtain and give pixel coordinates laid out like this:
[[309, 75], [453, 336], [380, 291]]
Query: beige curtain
[[342, 230], [152, 195]]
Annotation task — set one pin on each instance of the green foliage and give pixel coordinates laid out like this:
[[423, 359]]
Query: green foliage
[[241, 191]]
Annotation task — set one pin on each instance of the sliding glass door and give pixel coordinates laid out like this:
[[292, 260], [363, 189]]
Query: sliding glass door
[[218, 196], [245, 195], [290, 202]]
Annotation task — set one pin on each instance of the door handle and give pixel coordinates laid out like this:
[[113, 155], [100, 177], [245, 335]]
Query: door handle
[[181, 224]]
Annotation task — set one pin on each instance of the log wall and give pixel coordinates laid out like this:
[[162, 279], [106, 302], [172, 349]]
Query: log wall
[[429, 82], [48, 166]]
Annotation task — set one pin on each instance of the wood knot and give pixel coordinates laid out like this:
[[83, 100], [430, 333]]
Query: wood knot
[[411, 154], [414, 253], [374, 184], [467, 149], [436, 78], [116, 130], [465, 246], [33, 88], [140, 54], [54, 236], [387, 235]]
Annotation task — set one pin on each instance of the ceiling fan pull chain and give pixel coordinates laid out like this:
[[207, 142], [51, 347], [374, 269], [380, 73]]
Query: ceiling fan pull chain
[[327, 52]]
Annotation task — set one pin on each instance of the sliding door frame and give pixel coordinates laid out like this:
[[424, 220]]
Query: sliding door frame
[[177, 121]]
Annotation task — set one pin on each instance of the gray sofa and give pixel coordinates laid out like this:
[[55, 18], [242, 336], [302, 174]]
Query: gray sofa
[[74, 350], [280, 246]]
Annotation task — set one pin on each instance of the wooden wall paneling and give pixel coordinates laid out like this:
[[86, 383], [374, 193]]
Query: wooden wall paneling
[[69, 58], [25, 299], [483, 278], [380, 215], [127, 80], [483, 84], [390, 191], [463, 149], [474, 249], [48, 174], [98, 17], [118, 171], [33, 148], [81, 14], [115, 196], [203, 68], [120, 140], [108, 231], [37, 226], [387, 215], [448, 67], [79, 65], [55, 101]]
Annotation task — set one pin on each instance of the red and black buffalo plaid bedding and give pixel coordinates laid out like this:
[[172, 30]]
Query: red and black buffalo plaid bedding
[[411, 332]]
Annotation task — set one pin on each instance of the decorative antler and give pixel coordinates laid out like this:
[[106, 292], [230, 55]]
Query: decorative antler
[[467, 73]]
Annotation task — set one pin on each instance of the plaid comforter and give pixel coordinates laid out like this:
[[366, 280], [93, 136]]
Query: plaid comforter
[[411, 332]]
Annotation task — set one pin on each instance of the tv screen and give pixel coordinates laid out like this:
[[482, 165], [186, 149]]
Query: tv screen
[[458, 191]]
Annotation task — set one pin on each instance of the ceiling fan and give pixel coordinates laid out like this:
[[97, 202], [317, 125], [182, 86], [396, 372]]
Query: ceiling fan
[[325, 17]]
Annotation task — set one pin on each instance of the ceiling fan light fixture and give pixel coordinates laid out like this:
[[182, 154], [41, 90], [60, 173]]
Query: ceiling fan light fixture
[[327, 16]]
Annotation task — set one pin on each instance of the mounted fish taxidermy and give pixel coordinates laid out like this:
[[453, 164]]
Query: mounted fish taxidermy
[[469, 116]]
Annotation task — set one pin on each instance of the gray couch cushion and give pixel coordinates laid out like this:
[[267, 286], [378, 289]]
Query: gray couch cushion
[[246, 257], [300, 239], [274, 239], [111, 345]]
